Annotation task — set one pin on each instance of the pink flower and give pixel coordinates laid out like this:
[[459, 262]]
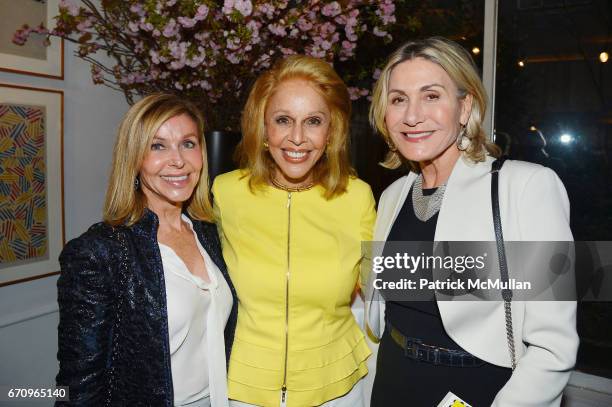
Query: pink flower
[[254, 29], [228, 6], [201, 13], [97, 76], [171, 29], [233, 43], [154, 57], [21, 36], [233, 58], [354, 93], [133, 26], [376, 74], [315, 52], [348, 45], [277, 30], [245, 7], [72, 9], [331, 9], [386, 10], [287, 51], [85, 24], [147, 27], [379, 33], [137, 9], [327, 28], [186, 21], [303, 24], [267, 9], [139, 46]]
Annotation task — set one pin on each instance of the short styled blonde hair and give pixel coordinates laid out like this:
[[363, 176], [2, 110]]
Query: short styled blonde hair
[[125, 204], [333, 168], [460, 67]]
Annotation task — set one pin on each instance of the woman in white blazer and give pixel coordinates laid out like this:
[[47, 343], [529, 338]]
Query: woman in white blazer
[[429, 105]]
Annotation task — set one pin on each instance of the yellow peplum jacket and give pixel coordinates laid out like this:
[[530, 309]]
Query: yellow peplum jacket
[[294, 259]]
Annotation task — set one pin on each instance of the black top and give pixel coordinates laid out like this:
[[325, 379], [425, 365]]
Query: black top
[[417, 319], [113, 330], [401, 380]]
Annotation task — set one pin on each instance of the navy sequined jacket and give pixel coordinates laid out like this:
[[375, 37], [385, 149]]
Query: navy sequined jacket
[[113, 332]]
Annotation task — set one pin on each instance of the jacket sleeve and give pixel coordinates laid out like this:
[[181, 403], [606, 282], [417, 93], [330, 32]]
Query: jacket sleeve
[[84, 332], [549, 329]]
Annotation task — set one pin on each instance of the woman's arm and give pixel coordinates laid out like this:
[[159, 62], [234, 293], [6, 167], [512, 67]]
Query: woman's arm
[[84, 331], [549, 327], [368, 217]]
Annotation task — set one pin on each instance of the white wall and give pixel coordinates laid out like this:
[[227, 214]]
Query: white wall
[[28, 311]]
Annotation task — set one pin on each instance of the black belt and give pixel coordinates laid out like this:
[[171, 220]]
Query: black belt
[[415, 349]]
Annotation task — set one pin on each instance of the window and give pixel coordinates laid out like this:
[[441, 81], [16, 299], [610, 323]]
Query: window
[[553, 86]]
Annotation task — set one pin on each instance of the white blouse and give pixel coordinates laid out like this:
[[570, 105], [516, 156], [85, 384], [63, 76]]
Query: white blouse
[[197, 314]]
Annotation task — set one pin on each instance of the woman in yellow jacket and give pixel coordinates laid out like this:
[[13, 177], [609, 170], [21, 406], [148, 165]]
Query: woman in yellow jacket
[[291, 222]]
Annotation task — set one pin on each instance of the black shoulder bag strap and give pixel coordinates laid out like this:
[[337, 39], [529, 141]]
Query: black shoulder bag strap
[[501, 253]]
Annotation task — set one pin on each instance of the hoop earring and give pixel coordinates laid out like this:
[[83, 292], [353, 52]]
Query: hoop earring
[[463, 142]]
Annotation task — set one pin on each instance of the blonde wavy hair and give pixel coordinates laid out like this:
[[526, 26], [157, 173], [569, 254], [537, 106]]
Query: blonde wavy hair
[[333, 168], [124, 204], [460, 67]]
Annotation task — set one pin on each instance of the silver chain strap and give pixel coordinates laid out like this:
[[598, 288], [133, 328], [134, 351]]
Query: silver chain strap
[[510, 332]]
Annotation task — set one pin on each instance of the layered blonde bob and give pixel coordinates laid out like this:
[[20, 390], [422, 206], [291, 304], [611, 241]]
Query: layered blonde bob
[[460, 67], [333, 168], [124, 203]]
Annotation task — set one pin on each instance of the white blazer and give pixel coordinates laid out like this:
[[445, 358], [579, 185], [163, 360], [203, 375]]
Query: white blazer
[[533, 207]]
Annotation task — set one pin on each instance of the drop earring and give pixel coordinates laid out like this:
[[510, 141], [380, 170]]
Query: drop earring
[[463, 142]]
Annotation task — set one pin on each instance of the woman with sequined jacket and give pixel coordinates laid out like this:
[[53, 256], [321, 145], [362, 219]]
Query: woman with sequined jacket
[[147, 310]]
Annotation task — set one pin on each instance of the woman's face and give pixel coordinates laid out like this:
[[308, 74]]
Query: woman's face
[[297, 121], [171, 167], [424, 111]]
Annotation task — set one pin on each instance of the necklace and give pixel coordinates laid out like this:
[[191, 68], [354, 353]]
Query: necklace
[[292, 189], [426, 206]]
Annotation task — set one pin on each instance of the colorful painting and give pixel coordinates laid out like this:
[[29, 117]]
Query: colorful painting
[[23, 202], [31, 182]]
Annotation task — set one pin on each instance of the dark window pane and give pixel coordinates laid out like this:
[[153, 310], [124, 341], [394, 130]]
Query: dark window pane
[[555, 110]]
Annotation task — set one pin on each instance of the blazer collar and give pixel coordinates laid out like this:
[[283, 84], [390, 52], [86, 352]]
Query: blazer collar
[[463, 174], [145, 230], [147, 224], [397, 202]]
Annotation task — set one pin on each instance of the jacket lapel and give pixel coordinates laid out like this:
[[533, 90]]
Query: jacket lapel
[[390, 206], [207, 234], [465, 214]]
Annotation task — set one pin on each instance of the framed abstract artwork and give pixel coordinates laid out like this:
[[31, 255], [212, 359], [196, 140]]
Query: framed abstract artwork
[[33, 58], [31, 182]]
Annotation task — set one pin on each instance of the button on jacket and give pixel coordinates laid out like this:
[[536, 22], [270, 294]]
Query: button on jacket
[[294, 258], [113, 329]]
